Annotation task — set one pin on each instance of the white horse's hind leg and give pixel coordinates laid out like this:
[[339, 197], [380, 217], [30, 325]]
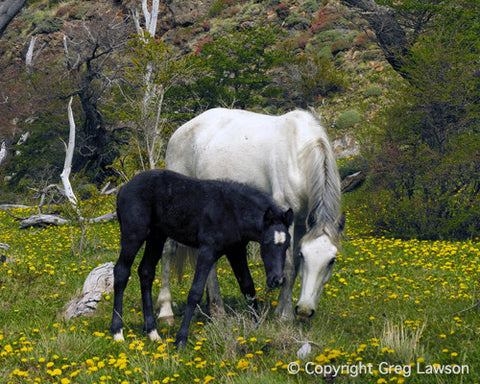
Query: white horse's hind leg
[[214, 299], [164, 301]]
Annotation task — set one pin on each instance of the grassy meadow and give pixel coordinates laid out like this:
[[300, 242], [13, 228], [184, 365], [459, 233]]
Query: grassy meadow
[[394, 312]]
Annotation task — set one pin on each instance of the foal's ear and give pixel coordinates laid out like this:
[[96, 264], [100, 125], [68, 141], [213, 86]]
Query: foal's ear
[[288, 217], [269, 217]]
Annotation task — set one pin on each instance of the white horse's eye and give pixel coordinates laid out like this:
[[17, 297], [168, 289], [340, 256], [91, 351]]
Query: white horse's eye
[[332, 261]]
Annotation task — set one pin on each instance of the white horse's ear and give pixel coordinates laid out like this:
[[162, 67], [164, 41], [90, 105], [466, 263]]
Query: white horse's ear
[[288, 217], [312, 219]]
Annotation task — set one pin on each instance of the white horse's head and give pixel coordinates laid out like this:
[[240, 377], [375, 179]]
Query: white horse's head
[[317, 258]]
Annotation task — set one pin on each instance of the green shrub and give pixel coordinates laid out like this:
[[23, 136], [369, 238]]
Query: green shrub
[[340, 45], [310, 6], [330, 35], [216, 9], [348, 119], [325, 52], [297, 22], [79, 12], [318, 77], [50, 25], [373, 91]]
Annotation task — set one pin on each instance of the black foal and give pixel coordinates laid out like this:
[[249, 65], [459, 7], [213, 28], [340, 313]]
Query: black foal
[[217, 217]]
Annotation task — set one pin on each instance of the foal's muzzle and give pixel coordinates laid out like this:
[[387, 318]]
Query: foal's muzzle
[[275, 282]]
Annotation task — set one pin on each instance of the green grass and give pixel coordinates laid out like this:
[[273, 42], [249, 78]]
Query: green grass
[[389, 306]]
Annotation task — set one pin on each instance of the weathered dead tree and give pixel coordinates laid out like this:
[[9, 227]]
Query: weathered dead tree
[[67, 167], [391, 36], [42, 219]]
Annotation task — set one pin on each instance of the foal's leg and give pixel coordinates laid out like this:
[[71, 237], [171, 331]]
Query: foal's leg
[[146, 272], [237, 257], [164, 301], [129, 248], [206, 258], [214, 299]]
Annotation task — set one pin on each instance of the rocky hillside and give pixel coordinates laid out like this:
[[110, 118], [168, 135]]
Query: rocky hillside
[[37, 59]]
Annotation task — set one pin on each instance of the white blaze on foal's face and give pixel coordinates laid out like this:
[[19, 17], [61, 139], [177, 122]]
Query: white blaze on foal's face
[[317, 258], [279, 237]]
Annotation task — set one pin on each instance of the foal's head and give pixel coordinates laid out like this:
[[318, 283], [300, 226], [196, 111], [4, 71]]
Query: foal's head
[[274, 245]]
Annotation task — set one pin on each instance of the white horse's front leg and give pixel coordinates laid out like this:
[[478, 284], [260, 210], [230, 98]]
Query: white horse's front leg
[[292, 262], [284, 309], [164, 301]]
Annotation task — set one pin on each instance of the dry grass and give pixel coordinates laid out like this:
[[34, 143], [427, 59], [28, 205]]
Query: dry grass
[[402, 343]]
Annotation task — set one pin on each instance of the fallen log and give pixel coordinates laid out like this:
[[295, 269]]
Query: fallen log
[[45, 220], [352, 182], [104, 218], [42, 220], [13, 206]]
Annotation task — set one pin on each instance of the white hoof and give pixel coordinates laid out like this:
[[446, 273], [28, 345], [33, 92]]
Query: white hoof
[[154, 336], [118, 337]]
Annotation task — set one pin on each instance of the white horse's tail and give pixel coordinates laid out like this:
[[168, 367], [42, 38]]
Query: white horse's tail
[[183, 256]]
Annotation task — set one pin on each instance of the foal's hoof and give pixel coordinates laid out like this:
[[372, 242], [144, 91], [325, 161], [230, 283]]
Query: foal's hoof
[[118, 337], [181, 344]]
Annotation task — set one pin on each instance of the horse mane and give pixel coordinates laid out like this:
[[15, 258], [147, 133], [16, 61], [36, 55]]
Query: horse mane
[[323, 185]]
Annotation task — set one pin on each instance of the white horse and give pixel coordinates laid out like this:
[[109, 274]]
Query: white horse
[[288, 157]]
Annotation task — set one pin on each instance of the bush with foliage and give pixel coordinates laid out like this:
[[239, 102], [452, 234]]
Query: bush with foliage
[[237, 66], [348, 119], [425, 178], [39, 160]]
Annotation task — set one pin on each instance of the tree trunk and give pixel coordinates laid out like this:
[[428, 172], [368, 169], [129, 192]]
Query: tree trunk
[[8, 10], [390, 34], [93, 141]]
